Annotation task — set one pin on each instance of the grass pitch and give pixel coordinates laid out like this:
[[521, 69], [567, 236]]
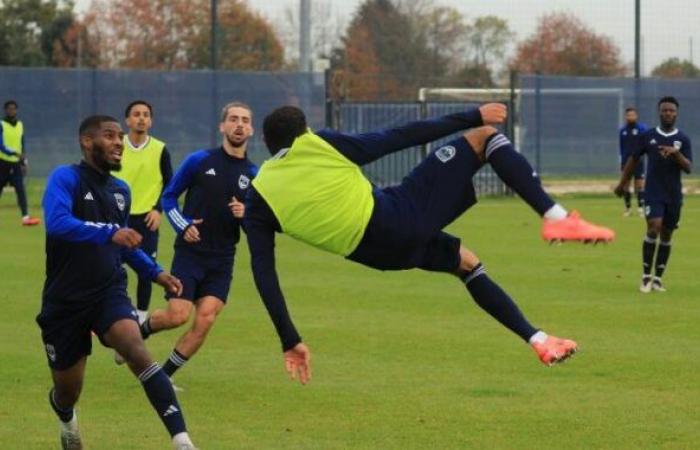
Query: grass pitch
[[401, 360]]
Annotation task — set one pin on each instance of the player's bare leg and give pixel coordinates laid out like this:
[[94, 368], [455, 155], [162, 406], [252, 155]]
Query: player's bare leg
[[206, 311], [67, 386]]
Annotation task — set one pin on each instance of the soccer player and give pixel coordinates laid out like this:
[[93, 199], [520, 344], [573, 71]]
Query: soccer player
[[13, 161], [668, 153], [208, 230], [146, 169], [629, 143], [86, 212], [313, 190]]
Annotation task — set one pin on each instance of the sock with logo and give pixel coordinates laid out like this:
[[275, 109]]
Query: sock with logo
[[160, 393], [492, 299], [517, 173]]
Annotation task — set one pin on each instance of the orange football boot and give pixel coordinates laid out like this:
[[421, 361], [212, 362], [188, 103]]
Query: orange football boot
[[574, 228], [30, 221], [554, 350]]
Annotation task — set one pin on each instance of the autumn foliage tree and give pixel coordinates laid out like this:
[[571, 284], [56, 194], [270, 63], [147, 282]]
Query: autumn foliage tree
[[675, 68], [563, 45], [175, 34]]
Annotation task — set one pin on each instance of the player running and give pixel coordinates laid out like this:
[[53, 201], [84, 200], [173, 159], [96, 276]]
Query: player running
[[86, 212], [216, 181], [313, 190]]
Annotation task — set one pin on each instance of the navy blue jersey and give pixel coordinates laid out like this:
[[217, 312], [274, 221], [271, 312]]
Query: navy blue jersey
[[629, 139], [83, 209], [261, 224], [211, 178], [663, 182]]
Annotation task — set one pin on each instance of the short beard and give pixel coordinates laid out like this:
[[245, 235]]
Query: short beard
[[102, 163], [236, 145]]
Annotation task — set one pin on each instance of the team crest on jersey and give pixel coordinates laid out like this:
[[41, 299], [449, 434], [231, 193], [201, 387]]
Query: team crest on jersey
[[121, 201], [635, 131], [652, 142], [51, 352], [446, 153], [243, 182], [677, 145]]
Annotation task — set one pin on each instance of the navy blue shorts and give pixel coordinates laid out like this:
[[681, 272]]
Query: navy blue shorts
[[149, 245], [639, 171], [669, 211], [405, 230], [66, 328], [202, 275]]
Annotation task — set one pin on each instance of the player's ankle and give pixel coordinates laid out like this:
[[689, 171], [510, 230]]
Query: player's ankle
[[556, 212]]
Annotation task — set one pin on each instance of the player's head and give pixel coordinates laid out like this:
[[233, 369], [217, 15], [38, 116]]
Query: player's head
[[139, 116], [668, 111], [101, 142], [631, 115], [10, 107], [236, 123], [282, 126]]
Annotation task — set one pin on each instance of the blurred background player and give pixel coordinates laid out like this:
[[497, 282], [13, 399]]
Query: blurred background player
[[87, 240], [13, 160], [146, 169], [313, 190], [629, 144], [208, 230], [668, 153]]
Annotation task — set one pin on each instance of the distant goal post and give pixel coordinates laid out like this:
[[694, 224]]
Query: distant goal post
[[513, 97]]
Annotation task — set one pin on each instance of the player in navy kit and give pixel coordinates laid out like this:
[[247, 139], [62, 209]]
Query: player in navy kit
[[629, 143], [208, 229], [668, 153], [86, 213]]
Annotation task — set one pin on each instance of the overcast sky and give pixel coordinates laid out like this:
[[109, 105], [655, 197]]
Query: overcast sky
[[667, 25]]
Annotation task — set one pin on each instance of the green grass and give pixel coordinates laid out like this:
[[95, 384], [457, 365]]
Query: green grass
[[401, 360]]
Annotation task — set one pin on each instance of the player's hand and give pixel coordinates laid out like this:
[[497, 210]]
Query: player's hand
[[493, 113], [170, 283], [297, 362], [192, 233], [23, 165], [153, 219], [667, 150], [126, 237], [237, 208]]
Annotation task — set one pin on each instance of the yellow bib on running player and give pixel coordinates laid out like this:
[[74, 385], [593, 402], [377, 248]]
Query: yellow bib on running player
[[12, 137], [141, 172], [318, 195]]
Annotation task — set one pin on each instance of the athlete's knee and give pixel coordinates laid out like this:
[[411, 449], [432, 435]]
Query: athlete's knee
[[467, 261], [178, 316], [666, 234], [477, 138]]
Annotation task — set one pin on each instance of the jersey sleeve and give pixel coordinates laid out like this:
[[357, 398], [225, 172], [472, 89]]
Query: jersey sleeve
[[260, 226], [166, 173], [687, 149], [58, 211], [641, 146], [180, 182], [368, 147]]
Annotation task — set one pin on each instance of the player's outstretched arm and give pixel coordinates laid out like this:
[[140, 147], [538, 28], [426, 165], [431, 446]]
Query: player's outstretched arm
[[260, 226], [58, 211], [365, 148]]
